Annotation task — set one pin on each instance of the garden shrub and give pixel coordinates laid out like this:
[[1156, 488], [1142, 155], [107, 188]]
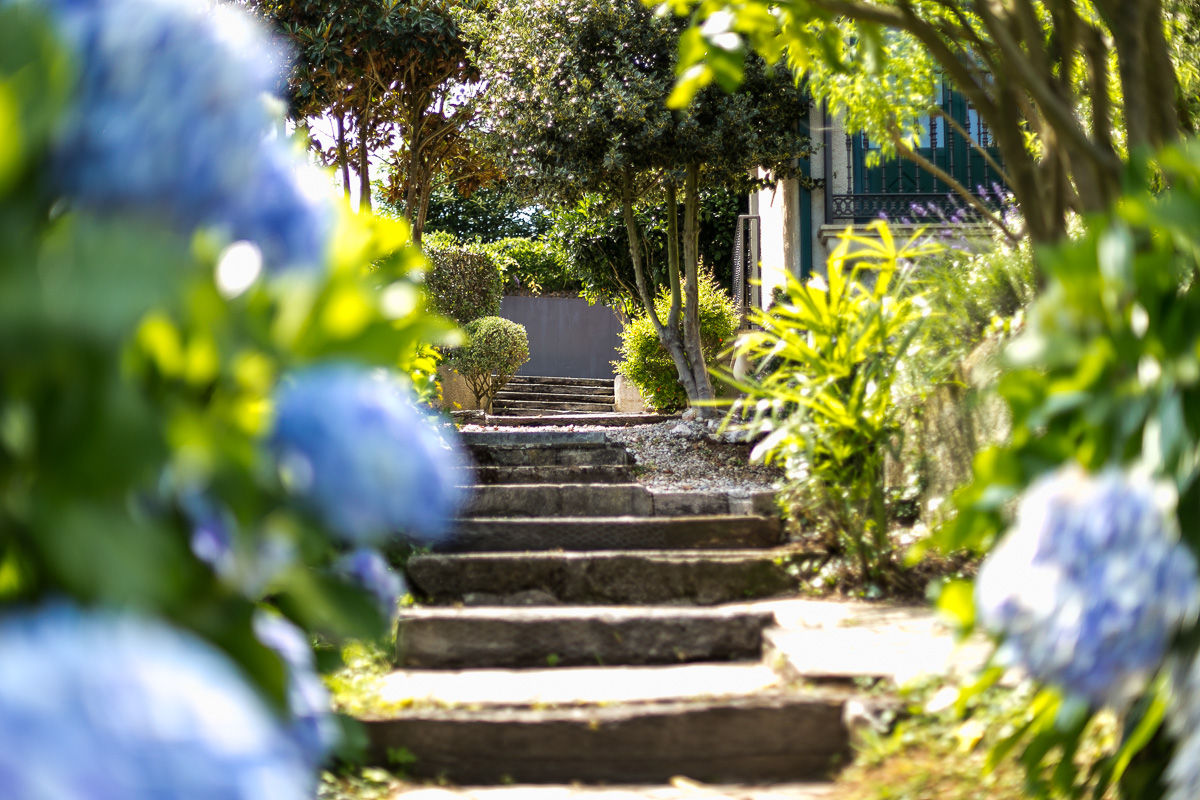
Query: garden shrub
[[648, 365], [463, 283], [823, 400], [495, 349]]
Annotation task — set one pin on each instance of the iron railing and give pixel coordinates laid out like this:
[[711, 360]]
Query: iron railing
[[914, 207], [747, 244]]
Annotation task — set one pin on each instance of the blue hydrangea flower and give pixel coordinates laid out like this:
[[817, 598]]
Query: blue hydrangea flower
[[369, 569], [1090, 585], [314, 727], [169, 117], [213, 529], [95, 704], [355, 452]]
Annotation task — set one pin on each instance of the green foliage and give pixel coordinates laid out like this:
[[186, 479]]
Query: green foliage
[[495, 349], [823, 398], [971, 294], [463, 283], [532, 266], [490, 213], [646, 363], [130, 376], [1103, 374]]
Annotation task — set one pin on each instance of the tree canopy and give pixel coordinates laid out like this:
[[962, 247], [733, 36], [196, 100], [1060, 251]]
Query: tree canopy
[[577, 104], [393, 75], [1067, 87]]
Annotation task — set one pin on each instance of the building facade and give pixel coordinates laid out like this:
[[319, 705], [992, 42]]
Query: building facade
[[789, 227]]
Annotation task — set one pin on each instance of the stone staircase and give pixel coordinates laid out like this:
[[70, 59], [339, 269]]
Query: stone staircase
[[583, 629], [540, 396]]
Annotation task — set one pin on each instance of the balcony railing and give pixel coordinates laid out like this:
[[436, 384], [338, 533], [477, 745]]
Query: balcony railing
[[917, 207]]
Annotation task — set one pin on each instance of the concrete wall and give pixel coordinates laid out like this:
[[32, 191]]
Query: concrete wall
[[567, 337]]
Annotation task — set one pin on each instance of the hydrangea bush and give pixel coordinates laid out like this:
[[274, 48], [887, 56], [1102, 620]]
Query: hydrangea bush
[[1090, 585], [1092, 589], [101, 704], [205, 361]]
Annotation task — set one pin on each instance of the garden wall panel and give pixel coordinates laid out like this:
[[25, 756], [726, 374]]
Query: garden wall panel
[[567, 337]]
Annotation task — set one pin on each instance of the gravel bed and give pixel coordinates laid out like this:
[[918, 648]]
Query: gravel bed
[[681, 455]]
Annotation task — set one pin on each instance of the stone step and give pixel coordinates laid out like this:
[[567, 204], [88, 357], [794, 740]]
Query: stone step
[[611, 500], [451, 638], [707, 532], [540, 406], [585, 393], [709, 722], [611, 420], [532, 438], [550, 455], [548, 380], [602, 578], [613, 473]]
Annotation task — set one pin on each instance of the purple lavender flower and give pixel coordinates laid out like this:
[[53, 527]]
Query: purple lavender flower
[[355, 452], [96, 704], [1090, 585], [314, 727], [169, 118], [369, 569]]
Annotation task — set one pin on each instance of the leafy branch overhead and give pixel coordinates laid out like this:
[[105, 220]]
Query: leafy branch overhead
[[1068, 88]]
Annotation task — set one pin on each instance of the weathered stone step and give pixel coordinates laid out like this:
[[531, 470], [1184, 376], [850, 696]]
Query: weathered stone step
[[450, 638], [582, 454], [715, 531], [612, 500], [548, 380], [584, 393], [609, 420], [602, 578], [540, 406], [613, 473], [532, 438], [732, 723]]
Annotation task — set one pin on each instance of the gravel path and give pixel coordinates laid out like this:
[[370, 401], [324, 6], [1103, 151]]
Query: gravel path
[[681, 455]]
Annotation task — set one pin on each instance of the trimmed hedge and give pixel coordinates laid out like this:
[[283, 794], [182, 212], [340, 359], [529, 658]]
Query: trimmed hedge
[[532, 266], [463, 284], [648, 365], [495, 349]]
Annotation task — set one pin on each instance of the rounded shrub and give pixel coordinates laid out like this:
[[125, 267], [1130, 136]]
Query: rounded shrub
[[648, 365], [495, 349], [463, 284]]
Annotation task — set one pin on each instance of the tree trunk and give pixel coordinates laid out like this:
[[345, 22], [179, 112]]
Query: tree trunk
[[364, 165], [669, 337], [343, 159], [691, 313]]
